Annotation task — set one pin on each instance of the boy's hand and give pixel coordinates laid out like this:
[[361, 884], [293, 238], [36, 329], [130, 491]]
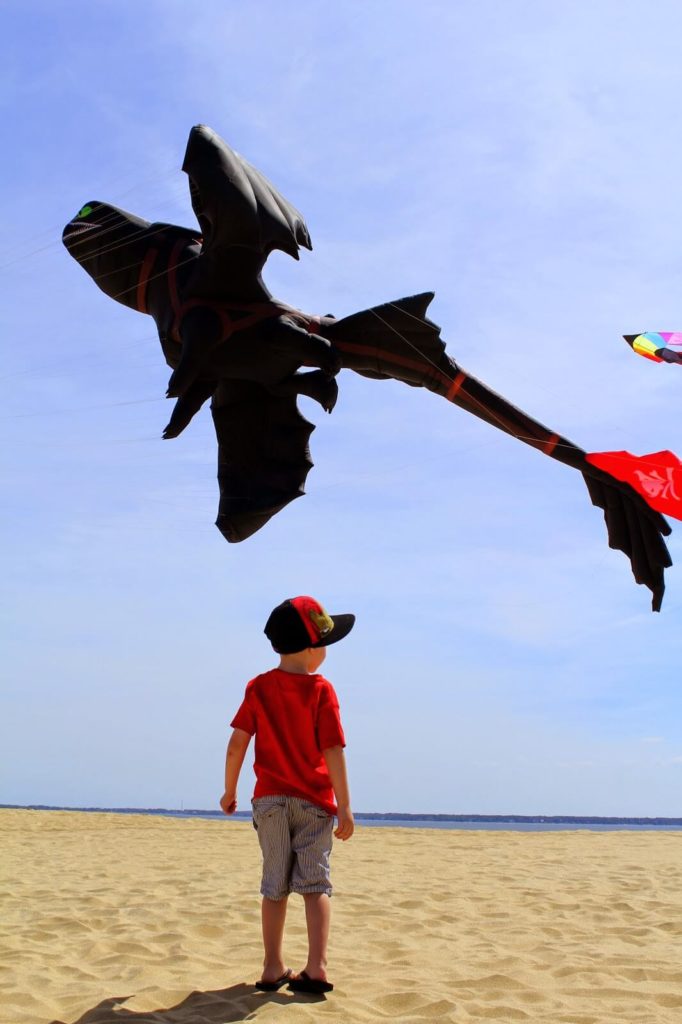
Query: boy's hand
[[228, 802], [346, 825]]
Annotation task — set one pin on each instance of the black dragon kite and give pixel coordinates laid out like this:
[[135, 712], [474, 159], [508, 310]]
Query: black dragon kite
[[226, 338]]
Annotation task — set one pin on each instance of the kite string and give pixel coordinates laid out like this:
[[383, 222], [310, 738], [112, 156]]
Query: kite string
[[55, 368], [471, 398], [81, 408], [118, 244], [110, 248], [153, 277], [419, 352], [474, 401], [177, 188], [96, 252], [50, 245], [425, 358]]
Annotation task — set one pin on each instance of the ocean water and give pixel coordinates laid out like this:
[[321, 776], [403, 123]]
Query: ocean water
[[518, 826], [495, 826], [488, 823]]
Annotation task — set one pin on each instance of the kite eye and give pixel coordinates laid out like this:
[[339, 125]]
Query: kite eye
[[84, 212]]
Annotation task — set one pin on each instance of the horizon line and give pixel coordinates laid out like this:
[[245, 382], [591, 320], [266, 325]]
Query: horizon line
[[370, 815]]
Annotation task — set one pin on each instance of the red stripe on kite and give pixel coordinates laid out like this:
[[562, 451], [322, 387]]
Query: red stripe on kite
[[455, 386], [145, 271]]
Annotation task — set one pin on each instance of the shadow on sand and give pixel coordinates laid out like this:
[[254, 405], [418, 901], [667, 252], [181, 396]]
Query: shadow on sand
[[239, 1002]]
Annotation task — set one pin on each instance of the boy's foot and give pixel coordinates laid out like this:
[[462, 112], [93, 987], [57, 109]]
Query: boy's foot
[[304, 983], [273, 986]]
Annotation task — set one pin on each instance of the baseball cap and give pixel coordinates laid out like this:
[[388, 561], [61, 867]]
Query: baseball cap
[[301, 622]]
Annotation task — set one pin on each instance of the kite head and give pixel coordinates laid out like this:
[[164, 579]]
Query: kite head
[[111, 246], [659, 346]]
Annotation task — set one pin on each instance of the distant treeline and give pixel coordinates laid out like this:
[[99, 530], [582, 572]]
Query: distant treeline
[[530, 819]]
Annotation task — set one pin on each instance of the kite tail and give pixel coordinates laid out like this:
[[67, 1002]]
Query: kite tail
[[398, 341], [633, 527], [639, 536]]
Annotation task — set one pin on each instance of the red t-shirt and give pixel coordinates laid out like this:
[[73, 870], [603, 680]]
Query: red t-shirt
[[294, 717]]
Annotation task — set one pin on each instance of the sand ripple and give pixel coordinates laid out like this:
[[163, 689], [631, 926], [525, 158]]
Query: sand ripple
[[111, 918]]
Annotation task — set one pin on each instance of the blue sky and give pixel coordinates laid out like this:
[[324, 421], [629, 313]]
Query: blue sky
[[522, 160]]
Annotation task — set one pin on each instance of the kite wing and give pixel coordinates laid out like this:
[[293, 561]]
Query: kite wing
[[635, 529], [242, 216], [397, 340], [659, 346], [263, 455]]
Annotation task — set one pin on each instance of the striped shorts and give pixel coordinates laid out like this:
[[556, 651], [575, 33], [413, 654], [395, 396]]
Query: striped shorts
[[295, 838]]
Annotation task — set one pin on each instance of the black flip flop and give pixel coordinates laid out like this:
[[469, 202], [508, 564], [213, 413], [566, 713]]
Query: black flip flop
[[274, 986], [304, 983]]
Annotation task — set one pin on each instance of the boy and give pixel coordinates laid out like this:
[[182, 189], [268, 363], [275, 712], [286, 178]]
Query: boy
[[301, 782]]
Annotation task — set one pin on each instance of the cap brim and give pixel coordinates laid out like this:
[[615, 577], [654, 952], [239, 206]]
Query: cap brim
[[342, 627]]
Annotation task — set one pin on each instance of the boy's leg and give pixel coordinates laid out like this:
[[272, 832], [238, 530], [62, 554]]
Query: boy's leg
[[312, 843], [317, 919], [270, 821], [273, 915]]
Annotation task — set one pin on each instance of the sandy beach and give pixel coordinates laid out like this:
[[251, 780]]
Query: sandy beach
[[140, 918]]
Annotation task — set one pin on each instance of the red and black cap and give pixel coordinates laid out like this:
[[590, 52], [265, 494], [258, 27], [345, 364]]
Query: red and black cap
[[301, 622]]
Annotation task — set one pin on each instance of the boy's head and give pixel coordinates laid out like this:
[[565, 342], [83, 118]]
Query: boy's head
[[301, 622]]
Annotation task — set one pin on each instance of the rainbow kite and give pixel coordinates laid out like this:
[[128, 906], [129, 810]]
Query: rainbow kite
[[660, 346]]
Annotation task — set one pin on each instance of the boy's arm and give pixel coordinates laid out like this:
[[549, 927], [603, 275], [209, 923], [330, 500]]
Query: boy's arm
[[234, 759], [336, 766]]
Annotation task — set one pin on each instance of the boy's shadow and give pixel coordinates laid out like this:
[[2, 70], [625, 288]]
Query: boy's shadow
[[239, 1002]]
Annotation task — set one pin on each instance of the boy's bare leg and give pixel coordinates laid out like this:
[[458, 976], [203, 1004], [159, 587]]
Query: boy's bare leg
[[317, 918], [273, 916]]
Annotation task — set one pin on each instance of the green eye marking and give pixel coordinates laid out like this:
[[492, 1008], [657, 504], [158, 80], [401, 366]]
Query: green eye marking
[[84, 212]]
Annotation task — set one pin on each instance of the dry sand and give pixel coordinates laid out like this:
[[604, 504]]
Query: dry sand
[[117, 918]]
